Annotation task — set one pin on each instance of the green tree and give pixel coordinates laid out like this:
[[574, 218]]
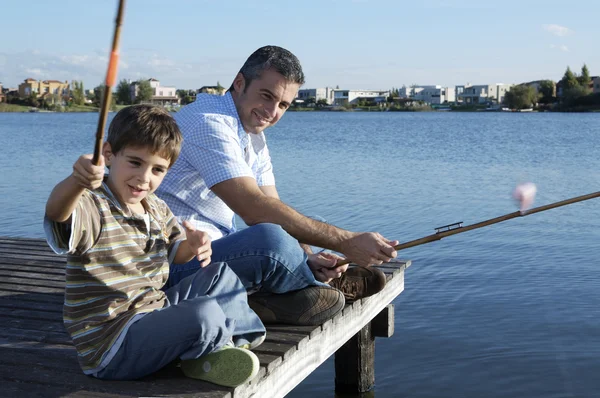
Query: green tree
[[144, 91], [78, 93], [584, 79], [520, 97], [32, 100], [546, 90], [123, 93], [574, 93], [569, 80], [322, 102], [99, 97], [220, 88]]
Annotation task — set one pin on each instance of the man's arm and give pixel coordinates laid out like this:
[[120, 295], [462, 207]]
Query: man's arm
[[254, 206]]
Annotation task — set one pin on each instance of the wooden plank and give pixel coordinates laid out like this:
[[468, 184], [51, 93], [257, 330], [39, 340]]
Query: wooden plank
[[24, 241], [10, 248], [16, 303], [28, 264], [12, 334], [76, 382], [12, 287], [298, 364], [31, 314], [33, 282], [11, 388], [32, 324], [269, 361], [33, 276], [51, 258], [26, 295], [283, 350], [12, 267], [297, 340], [292, 329]]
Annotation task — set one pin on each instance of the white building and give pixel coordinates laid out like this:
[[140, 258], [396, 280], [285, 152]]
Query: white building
[[318, 94], [162, 95], [482, 93], [344, 97], [434, 95], [410, 92]]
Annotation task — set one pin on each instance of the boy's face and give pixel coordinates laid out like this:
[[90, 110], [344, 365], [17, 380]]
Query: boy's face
[[134, 173]]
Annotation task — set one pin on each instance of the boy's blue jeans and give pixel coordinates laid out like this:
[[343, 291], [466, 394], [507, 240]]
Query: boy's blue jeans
[[263, 256], [205, 310]]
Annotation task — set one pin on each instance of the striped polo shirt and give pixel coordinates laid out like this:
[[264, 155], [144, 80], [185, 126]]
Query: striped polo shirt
[[116, 267]]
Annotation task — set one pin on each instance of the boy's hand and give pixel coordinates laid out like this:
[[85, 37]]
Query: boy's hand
[[86, 173], [199, 243]]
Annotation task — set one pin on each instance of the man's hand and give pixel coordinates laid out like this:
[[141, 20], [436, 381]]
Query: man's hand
[[86, 174], [324, 268], [369, 248], [198, 243]]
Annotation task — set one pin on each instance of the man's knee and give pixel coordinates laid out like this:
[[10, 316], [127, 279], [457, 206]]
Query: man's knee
[[278, 240]]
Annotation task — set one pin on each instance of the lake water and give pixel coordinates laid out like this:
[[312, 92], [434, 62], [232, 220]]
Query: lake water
[[510, 310]]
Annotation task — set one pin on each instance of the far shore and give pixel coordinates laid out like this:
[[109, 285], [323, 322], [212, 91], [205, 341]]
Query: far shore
[[13, 108]]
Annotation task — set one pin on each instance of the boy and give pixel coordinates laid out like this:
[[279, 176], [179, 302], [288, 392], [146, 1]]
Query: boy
[[120, 239]]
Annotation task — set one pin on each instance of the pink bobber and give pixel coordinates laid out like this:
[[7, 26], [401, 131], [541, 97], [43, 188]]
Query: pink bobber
[[525, 194]]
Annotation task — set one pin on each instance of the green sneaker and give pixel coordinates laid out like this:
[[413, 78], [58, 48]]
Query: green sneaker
[[228, 366]]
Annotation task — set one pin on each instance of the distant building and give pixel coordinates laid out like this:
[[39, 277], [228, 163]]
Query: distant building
[[216, 90], [162, 95], [45, 89], [596, 83], [318, 94], [482, 93], [434, 95], [2, 96], [345, 97]]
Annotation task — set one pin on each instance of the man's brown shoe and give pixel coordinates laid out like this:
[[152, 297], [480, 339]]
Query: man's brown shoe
[[359, 282], [311, 306]]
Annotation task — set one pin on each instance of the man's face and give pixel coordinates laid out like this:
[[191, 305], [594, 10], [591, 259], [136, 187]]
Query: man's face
[[264, 101]]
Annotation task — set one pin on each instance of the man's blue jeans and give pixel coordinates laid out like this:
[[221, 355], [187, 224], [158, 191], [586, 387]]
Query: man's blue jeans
[[205, 310], [263, 256]]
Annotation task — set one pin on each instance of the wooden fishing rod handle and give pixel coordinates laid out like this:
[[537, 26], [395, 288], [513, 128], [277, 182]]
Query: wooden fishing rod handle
[[111, 77]]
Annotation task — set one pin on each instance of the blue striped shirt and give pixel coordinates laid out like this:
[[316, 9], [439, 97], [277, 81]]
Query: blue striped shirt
[[215, 149]]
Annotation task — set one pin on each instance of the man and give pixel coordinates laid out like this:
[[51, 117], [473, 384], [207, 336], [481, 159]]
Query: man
[[225, 169]]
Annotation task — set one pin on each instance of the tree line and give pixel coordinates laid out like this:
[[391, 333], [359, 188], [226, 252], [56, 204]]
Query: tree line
[[575, 90]]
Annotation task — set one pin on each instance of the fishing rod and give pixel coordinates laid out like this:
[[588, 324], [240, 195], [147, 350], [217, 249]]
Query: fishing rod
[[457, 228], [111, 76]]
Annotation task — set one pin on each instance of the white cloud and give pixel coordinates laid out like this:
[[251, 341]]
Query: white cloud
[[560, 47], [557, 30], [36, 72]]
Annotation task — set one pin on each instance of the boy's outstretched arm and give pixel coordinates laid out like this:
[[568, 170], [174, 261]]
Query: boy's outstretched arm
[[196, 245], [65, 195]]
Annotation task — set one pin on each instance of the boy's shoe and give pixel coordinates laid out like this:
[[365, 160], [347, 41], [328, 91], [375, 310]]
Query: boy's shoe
[[310, 306], [359, 282], [228, 366]]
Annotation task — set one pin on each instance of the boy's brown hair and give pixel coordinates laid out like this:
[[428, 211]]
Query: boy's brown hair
[[146, 126]]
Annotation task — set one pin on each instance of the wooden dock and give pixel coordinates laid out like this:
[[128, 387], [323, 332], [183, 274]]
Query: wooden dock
[[37, 358]]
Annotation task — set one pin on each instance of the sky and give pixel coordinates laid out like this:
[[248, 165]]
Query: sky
[[353, 44]]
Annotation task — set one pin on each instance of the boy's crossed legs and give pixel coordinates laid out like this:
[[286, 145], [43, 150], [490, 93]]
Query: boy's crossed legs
[[205, 312]]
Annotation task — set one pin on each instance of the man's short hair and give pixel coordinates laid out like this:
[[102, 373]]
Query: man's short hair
[[272, 57], [146, 126]]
